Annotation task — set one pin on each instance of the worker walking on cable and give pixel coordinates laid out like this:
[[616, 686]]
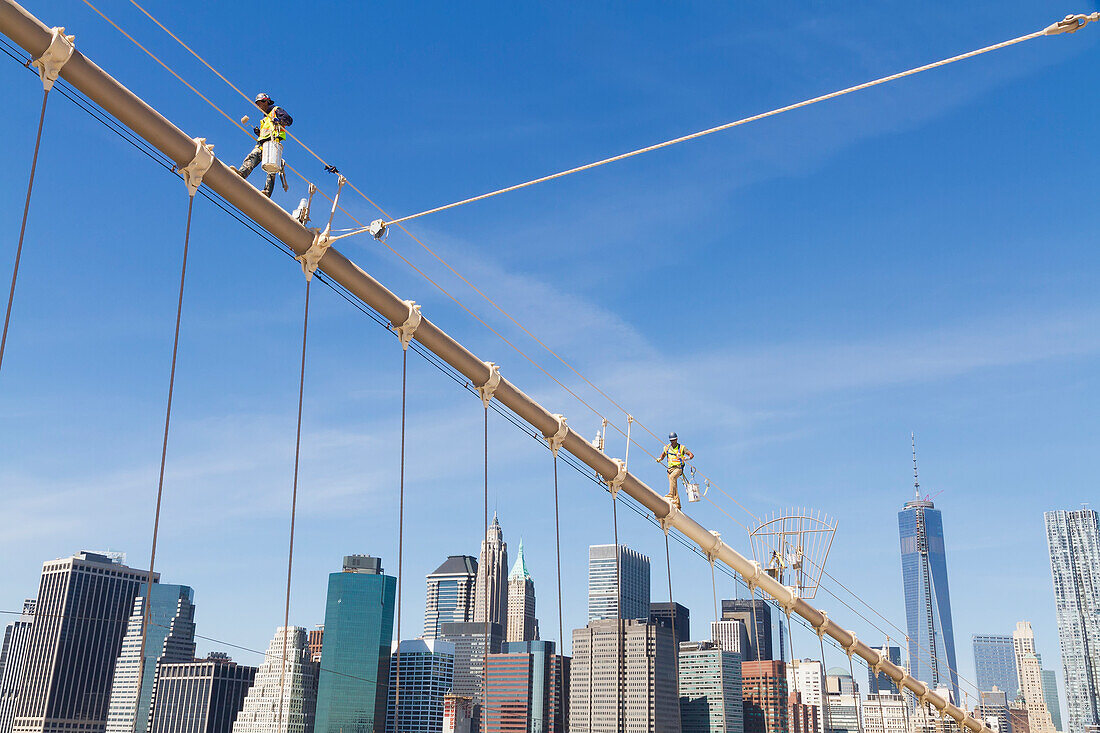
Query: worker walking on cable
[[676, 455], [272, 127]]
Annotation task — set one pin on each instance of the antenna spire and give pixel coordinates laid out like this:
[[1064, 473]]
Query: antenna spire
[[916, 482]]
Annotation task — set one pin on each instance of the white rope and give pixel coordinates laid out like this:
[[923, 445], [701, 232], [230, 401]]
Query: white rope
[[1069, 25]]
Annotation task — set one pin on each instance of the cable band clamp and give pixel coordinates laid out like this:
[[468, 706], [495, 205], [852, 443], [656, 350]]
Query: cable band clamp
[[878, 665], [54, 57], [556, 440], [490, 387], [1071, 24], [792, 597], [311, 258], [194, 171], [850, 649], [668, 521], [616, 483], [712, 553], [753, 582], [406, 330], [823, 627]]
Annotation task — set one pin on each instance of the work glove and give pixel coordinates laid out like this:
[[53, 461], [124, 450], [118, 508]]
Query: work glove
[[256, 131]]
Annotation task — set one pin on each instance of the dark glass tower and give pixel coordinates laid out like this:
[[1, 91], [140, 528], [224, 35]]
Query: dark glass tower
[[927, 598], [355, 658]]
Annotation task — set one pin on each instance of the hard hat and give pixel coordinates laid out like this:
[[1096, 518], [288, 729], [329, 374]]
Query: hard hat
[[261, 97], [672, 436]]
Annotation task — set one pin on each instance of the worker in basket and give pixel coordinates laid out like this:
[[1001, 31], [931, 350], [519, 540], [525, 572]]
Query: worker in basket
[[272, 130], [677, 455]]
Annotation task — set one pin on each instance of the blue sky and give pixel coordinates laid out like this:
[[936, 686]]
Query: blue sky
[[793, 297]]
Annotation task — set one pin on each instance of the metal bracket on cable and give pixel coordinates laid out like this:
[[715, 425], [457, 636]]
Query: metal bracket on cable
[[378, 229], [823, 627], [558, 438], [194, 171], [850, 649], [712, 553], [668, 520], [620, 475], [490, 387], [878, 665], [753, 582], [311, 258], [792, 596], [406, 330], [54, 57], [1071, 23]]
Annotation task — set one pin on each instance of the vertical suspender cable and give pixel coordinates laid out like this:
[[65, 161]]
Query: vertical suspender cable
[[557, 549], [618, 615], [164, 442], [824, 686], [485, 604], [874, 689], [293, 506], [23, 227], [855, 695], [400, 538], [755, 639], [714, 588], [672, 612]]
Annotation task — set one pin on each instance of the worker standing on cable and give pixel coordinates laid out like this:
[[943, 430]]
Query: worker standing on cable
[[676, 455], [272, 127]]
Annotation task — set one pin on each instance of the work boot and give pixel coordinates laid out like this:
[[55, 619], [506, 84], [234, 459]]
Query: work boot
[[674, 500], [234, 169]]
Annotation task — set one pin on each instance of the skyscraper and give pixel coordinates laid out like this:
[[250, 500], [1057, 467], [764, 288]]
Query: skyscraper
[[756, 615], [634, 581], [732, 636], [995, 663], [491, 588], [883, 682], [352, 690], [471, 645], [648, 684], [765, 695], [1050, 695], [807, 678], [675, 617], [842, 702], [427, 672], [169, 637], [84, 602], [526, 689], [450, 597], [261, 711], [1074, 542], [201, 696], [1029, 672], [13, 658], [522, 624], [927, 598], [710, 689]]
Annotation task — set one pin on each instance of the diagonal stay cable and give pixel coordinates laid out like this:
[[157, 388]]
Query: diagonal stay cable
[[1069, 25]]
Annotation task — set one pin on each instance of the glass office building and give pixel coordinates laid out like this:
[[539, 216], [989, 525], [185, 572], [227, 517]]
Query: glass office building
[[352, 689], [603, 602], [169, 637], [450, 596], [927, 598], [995, 663]]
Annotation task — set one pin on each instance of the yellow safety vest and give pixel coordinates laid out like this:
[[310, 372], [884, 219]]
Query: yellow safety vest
[[269, 130], [675, 455]]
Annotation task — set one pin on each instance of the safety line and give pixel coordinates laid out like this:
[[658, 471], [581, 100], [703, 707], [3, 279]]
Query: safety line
[[746, 120], [23, 226], [294, 501], [164, 442]]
